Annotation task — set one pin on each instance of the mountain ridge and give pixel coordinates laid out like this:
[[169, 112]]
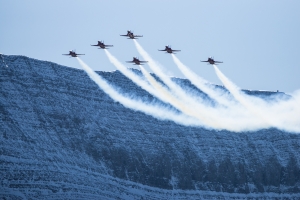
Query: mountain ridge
[[55, 122]]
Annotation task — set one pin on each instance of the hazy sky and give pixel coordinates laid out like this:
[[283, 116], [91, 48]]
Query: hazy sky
[[258, 41]]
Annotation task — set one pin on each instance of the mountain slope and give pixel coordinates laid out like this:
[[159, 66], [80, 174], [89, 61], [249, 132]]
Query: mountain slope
[[63, 137]]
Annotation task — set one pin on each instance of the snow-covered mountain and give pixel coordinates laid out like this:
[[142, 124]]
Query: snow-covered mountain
[[61, 137]]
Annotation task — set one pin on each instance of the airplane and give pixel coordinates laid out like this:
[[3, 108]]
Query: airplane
[[168, 49], [102, 45], [131, 35], [72, 53], [136, 61], [211, 61]]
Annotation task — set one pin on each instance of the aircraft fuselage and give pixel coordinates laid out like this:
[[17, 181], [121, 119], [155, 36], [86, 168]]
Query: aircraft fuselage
[[73, 54], [102, 46], [212, 62], [130, 35], [169, 50]]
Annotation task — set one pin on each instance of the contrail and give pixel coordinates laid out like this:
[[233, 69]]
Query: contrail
[[218, 118], [153, 110], [283, 114], [129, 74], [178, 92], [175, 89], [236, 92], [161, 92], [202, 84], [232, 108], [232, 123], [167, 95]]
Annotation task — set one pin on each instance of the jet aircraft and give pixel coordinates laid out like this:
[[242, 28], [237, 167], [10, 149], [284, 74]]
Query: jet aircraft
[[73, 54], [168, 49], [211, 61], [102, 45], [131, 35], [136, 61]]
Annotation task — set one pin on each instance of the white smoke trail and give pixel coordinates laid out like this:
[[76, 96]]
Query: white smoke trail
[[221, 97], [217, 118], [129, 74], [153, 110], [167, 95], [283, 115], [239, 95], [163, 94], [178, 92], [159, 87], [214, 93], [156, 68]]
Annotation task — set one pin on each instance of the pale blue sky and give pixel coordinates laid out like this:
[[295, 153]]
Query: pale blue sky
[[258, 41]]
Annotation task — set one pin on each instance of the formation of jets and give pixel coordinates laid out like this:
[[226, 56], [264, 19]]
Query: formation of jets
[[135, 60]]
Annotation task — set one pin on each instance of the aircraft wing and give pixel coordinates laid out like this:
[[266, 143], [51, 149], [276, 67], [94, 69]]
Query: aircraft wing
[[176, 50], [162, 50], [94, 45], [66, 54], [109, 45], [203, 61], [143, 61], [137, 36], [218, 62], [123, 35], [77, 54], [130, 61]]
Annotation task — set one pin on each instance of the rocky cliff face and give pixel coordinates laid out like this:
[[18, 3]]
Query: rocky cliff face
[[61, 137]]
